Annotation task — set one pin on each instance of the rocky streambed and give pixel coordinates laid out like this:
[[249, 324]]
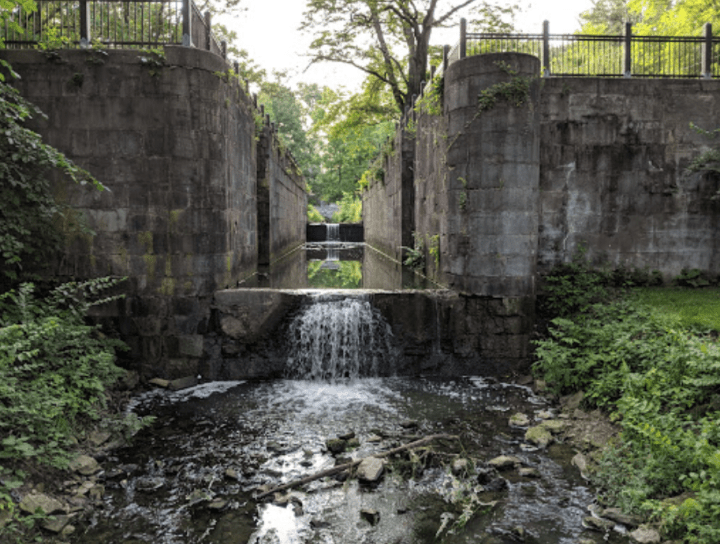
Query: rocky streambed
[[504, 466]]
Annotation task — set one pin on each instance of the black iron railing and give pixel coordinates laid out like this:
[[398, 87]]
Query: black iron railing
[[112, 23], [580, 55]]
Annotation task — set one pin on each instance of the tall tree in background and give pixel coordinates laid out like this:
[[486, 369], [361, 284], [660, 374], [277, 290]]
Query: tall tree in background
[[608, 17], [387, 39], [675, 17]]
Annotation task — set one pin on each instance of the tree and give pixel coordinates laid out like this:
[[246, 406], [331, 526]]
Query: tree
[[387, 39], [608, 17], [674, 18]]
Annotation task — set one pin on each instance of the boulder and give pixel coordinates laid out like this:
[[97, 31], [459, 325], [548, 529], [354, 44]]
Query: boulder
[[336, 445], [645, 535], [504, 462], [370, 469], [617, 516], [519, 420], [539, 436], [50, 505], [84, 464], [57, 524], [598, 524]]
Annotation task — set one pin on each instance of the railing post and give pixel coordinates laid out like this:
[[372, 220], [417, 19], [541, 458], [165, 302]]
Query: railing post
[[546, 48], [85, 37], [627, 64], [446, 54], [463, 38], [208, 24], [187, 23], [707, 52]]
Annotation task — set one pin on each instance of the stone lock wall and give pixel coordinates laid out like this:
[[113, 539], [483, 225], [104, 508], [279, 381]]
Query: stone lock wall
[[504, 194], [173, 140]]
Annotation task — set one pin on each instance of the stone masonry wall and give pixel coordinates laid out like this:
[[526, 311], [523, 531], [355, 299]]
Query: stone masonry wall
[[282, 199], [383, 206], [613, 177], [173, 140]]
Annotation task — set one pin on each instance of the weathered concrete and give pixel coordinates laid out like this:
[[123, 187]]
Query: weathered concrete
[[614, 177], [434, 331], [173, 140]]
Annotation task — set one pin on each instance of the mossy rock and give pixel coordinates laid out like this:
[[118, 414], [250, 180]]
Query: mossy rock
[[539, 435]]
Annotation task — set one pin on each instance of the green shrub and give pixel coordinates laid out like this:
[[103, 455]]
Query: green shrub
[[661, 382], [313, 215], [350, 210]]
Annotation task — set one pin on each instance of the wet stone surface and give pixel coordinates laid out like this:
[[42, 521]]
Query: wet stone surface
[[194, 475]]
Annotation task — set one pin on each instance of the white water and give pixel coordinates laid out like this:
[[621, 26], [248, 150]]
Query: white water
[[334, 338], [333, 232]]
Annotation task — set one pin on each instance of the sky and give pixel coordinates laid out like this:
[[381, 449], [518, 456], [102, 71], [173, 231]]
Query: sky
[[268, 31]]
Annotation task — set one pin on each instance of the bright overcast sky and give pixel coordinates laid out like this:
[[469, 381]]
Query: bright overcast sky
[[268, 31]]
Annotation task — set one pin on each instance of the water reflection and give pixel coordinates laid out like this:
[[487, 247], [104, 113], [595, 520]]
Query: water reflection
[[338, 265]]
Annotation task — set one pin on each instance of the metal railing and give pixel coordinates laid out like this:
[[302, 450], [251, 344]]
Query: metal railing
[[112, 23], [579, 55]]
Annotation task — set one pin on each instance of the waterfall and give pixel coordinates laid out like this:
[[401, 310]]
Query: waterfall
[[336, 337], [333, 232]]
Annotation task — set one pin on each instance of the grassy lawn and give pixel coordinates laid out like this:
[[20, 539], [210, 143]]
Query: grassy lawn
[[693, 307]]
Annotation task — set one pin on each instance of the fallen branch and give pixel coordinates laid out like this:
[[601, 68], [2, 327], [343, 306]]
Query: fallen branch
[[346, 466]]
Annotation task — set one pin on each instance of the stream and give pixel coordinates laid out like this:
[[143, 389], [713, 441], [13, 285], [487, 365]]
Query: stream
[[194, 475], [191, 476]]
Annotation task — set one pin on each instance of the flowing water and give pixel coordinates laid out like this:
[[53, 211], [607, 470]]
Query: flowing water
[[192, 477]]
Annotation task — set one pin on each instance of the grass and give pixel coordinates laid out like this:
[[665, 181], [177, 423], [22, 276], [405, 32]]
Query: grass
[[694, 308]]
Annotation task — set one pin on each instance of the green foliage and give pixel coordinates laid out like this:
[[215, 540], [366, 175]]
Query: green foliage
[[53, 368], [691, 278], [54, 372], [432, 100], [313, 215], [662, 383], [347, 275], [573, 286], [350, 210], [154, 60], [434, 249], [32, 225], [516, 91], [697, 309], [415, 256]]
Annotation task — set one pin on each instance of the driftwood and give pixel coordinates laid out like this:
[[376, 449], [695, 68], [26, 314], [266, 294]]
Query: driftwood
[[346, 466]]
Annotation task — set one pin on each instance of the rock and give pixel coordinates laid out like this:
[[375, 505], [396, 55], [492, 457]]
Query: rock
[[572, 402], [159, 382], [645, 535], [538, 435], [198, 496], [97, 438], [373, 438], [353, 443], [370, 515], [5, 517], [217, 505], [459, 467], [183, 383], [336, 445], [519, 420], [149, 484], [555, 426], [581, 463], [85, 465], [347, 436], [504, 462], [485, 475], [232, 474], [540, 386], [496, 484], [598, 524], [544, 414], [67, 531], [528, 472], [57, 524], [617, 516], [370, 469], [96, 492], [31, 502], [409, 424]]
